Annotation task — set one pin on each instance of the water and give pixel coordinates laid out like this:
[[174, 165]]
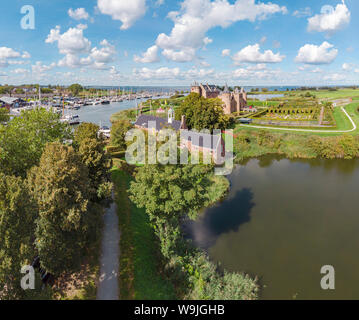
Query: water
[[282, 221], [101, 114]]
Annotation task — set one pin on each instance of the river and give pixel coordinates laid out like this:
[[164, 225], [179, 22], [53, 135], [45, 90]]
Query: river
[[101, 114], [282, 221]]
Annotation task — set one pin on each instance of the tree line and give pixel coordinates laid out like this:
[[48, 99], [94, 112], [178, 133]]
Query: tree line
[[53, 187]]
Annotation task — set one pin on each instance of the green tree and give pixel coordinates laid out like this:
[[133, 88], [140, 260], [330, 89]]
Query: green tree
[[60, 186], [98, 163], [203, 113], [17, 217], [86, 131], [75, 89], [22, 141], [118, 133], [172, 190]]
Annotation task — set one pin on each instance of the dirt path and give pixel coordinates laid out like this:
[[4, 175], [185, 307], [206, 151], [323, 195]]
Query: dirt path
[[108, 282]]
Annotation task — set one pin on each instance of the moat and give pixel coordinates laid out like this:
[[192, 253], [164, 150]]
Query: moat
[[282, 221]]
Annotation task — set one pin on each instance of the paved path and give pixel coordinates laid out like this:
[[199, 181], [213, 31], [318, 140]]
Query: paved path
[[108, 282], [309, 130]]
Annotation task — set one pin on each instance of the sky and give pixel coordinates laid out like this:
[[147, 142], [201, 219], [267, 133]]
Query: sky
[[168, 42]]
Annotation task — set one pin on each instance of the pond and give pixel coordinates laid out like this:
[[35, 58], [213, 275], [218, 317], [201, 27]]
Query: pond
[[282, 221]]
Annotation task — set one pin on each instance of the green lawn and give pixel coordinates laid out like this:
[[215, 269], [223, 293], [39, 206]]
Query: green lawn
[[140, 276]]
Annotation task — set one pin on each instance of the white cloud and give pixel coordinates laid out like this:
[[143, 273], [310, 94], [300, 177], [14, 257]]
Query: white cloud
[[25, 55], [196, 17], [259, 73], [40, 68], [334, 77], [252, 54], [161, 73], [9, 56], [78, 14], [127, 11], [20, 71], [105, 54], [330, 19], [184, 55], [317, 70], [346, 66], [226, 53], [150, 56], [312, 54], [305, 12], [70, 42], [356, 70]]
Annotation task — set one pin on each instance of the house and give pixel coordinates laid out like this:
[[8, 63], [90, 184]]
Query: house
[[10, 102], [192, 140]]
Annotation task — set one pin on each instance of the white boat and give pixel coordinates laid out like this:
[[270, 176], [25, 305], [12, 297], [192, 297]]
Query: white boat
[[105, 132], [70, 119]]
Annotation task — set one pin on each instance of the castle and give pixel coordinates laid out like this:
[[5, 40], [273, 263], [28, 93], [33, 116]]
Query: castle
[[232, 101]]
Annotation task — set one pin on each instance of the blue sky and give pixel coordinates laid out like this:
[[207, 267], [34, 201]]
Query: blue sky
[[168, 42]]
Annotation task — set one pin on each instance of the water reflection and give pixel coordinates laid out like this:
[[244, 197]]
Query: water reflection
[[226, 217]]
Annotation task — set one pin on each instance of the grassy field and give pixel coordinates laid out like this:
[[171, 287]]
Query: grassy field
[[140, 276]]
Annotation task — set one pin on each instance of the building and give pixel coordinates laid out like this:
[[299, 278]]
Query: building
[[10, 102], [232, 101], [192, 140]]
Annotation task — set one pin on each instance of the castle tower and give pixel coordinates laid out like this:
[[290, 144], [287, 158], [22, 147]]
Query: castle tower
[[195, 87], [226, 97], [237, 100]]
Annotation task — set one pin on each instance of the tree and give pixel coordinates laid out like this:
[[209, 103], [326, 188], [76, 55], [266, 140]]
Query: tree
[[17, 217], [86, 131], [118, 133], [75, 89], [60, 186], [98, 164], [203, 113], [22, 141], [172, 190]]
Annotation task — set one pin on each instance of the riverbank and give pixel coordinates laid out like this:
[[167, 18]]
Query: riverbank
[[140, 275]]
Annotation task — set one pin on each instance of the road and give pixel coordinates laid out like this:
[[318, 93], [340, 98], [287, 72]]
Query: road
[[309, 130], [108, 283]]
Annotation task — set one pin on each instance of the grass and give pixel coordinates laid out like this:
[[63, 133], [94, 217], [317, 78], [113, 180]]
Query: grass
[[341, 119], [140, 276]]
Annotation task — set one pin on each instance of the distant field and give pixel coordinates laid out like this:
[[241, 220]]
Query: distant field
[[326, 94]]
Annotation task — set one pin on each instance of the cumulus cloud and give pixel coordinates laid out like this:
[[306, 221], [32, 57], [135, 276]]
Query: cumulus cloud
[[252, 54], [40, 68], [8, 56], [330, 19], [126, 11], [20, 71], [70, 42], [74, 46], [150, 56], [312, 54], [78, 14], [196, 17], [226, 53]]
